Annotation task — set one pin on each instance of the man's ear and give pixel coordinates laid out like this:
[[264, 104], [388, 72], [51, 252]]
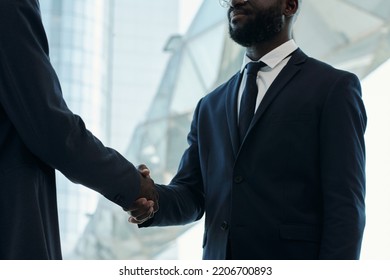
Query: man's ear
[[291, 8]]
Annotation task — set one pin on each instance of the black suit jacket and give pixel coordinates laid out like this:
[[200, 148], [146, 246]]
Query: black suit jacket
[[38, 133], [295, 188]]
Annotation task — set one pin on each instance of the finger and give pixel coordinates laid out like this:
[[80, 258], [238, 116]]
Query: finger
[[142, 211], [145, 173], [139, 203], [142, 214], [142, 166], [142, 218], [156, 207], [135, 221], [144, 170]]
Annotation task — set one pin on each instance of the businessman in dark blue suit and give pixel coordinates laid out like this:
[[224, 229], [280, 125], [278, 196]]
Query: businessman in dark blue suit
[[38, 134], [293, 185]]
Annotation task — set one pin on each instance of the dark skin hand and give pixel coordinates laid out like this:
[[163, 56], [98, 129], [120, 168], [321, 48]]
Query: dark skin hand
[[147, 204]]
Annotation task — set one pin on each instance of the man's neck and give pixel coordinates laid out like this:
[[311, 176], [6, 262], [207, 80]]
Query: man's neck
[[257, 51]]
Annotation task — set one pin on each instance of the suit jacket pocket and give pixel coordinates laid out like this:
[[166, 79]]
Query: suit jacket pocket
[[300, 233]]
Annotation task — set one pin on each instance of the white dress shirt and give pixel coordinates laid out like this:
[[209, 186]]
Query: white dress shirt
[[276, 60]]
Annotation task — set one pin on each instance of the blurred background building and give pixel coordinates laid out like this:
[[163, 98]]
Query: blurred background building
[[124, 63]]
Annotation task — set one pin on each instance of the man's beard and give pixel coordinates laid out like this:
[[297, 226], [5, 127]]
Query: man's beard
[[264, 27]]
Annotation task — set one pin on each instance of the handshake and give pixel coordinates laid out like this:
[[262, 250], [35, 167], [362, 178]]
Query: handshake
[[146, 205]]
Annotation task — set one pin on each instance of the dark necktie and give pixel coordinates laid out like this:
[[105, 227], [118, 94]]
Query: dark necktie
[[248, 99]]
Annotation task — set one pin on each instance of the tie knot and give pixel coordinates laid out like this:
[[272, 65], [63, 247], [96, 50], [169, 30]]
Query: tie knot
[[253, 67]]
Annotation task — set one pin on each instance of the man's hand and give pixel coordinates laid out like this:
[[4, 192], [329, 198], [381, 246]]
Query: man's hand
[[141, 211], [147, 204], [148, 189]]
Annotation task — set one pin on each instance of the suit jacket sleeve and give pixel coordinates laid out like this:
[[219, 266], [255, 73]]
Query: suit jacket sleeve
[[342, 149], [32, 99]]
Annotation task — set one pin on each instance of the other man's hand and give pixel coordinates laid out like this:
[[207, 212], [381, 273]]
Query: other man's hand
[[147, 204]]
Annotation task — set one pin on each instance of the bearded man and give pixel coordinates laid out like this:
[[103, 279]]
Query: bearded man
[[276, 156]]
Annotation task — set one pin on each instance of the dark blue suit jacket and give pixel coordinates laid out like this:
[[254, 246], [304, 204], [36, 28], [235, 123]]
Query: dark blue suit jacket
[[38, 133], [295, 188]]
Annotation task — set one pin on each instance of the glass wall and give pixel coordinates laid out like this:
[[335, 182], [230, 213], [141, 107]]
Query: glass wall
[[140, 30]]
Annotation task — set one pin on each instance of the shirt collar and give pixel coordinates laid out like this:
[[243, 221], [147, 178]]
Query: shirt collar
[[274, 57]]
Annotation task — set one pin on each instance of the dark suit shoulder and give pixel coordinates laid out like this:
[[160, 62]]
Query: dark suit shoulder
[[323, 67], [317, 66], [9, 7]]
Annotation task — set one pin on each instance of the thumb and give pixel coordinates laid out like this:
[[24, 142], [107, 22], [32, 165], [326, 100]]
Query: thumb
[[144, 170]]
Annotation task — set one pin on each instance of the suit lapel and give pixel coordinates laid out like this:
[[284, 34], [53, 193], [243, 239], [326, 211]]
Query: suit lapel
[[231, 110], [285, 76]]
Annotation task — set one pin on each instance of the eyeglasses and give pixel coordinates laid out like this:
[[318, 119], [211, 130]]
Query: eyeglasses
[[228, 3]]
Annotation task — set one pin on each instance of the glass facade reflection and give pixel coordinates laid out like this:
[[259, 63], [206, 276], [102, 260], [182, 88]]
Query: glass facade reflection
[[140, 29]]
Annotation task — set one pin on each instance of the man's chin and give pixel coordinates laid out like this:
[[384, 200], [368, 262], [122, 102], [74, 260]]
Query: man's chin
[[239, 37], [236, 26]]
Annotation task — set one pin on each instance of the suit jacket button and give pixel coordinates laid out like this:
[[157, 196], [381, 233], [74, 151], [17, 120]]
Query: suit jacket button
[[238, 179], [224, 225]]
